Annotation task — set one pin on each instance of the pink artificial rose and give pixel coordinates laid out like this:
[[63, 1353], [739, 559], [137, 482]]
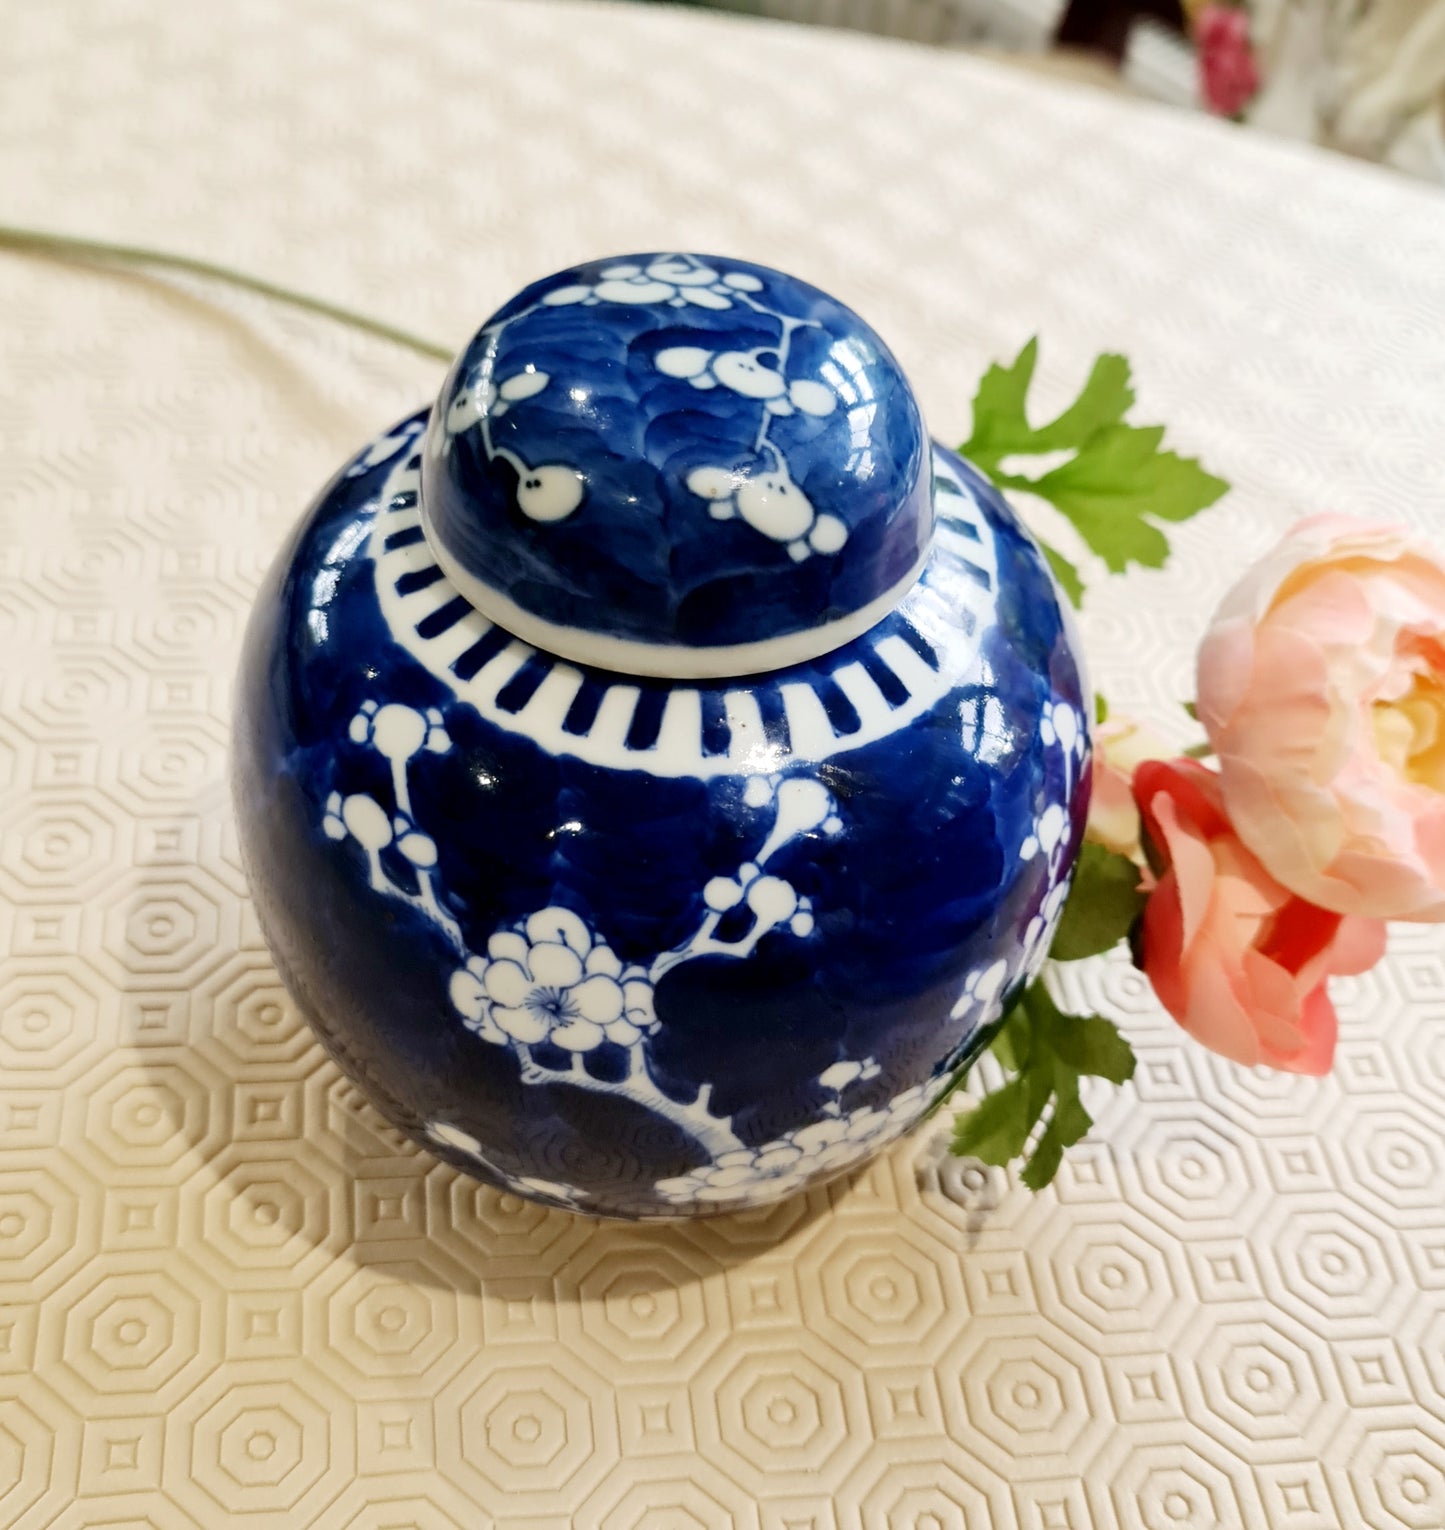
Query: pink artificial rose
[[1238, 960], [1120, 746], [1229, 77], [1322, 689]]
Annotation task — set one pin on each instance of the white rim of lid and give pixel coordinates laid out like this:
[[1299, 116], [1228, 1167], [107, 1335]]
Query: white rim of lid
[[665, 661]]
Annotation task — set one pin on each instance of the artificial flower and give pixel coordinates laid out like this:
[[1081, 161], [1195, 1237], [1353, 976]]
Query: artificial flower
[[1321, 685], [1238, 960]]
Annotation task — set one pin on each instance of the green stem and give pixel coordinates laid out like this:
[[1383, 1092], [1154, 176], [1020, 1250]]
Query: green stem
[[66, 245]]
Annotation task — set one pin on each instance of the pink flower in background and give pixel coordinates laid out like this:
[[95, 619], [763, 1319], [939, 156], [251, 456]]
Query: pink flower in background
[[1120, 746], [1322, 689], [1238, 960], [1228, 74]]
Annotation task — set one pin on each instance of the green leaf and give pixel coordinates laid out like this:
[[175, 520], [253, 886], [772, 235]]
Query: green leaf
[[1090, 1044], [1068, 1124], [1103, 902], [1000, 425], [1101, 707], [997, 1128], [1106, 398], [1119, 485], [1065, 572], [1192, 708], [1203, 751], [1000, 420], [1049, 1052], [1014, 1042]]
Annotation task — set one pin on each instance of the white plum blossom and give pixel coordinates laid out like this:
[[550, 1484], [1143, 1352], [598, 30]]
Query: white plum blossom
[[1061, 730], [366, 821], [399, 734], [747, 1176], [670, 279], [982, 991], [483, 396], [357, 815], [1048, 833], [398, 731], [770, 502], [1061, 727], [767, 500], [849, 1071], [749, 374], [386, 448], [548, 491], [550, 981], [1039, 934], [773, 902], [448, 1135]]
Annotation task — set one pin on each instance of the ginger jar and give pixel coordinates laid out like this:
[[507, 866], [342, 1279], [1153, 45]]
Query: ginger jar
[[658, 764]]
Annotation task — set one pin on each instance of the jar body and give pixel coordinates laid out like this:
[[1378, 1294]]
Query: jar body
[[652, 948]]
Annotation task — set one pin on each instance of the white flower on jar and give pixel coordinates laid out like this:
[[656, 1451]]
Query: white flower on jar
[[668, 279], [483, 396], [449, 1135], [838, 1141], [365, 820], [549, 491], [751, 374], [770, 502], [386, 449], [399, 732], [549, 981]]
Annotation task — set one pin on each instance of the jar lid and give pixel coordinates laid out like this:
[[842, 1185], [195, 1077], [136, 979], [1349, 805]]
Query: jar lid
[[678, 465]]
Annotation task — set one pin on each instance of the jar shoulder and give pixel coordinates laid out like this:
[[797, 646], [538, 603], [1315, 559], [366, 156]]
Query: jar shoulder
[[984, 618]]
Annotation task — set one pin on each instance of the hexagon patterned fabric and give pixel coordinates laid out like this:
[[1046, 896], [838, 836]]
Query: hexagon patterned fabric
[[227, 1295]]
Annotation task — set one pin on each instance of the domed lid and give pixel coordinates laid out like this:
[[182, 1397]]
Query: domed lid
[[678, 465]]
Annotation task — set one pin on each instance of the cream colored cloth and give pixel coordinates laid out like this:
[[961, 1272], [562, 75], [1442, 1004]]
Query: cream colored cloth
[[228, 1296]]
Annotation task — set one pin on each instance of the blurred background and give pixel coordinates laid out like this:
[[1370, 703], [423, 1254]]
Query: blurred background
[[1365, 77]]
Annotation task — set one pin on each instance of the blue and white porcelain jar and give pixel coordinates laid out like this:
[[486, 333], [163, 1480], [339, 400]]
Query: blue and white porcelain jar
[[657, 764]]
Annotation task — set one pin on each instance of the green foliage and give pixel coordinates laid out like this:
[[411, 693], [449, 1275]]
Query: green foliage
[[1089, 1044], [1117, 483], [1103, 903], [1000, 421], [1048, 1052]]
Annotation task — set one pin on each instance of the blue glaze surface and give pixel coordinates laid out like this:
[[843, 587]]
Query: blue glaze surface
[[647, 947], [679, 452]]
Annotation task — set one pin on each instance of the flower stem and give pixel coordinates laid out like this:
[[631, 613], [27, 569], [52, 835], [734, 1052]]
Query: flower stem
[[66, 246]]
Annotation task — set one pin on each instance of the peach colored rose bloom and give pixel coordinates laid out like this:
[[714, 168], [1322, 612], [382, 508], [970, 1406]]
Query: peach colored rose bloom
[[1322, 689], [1238, 960], [1120, 746]]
